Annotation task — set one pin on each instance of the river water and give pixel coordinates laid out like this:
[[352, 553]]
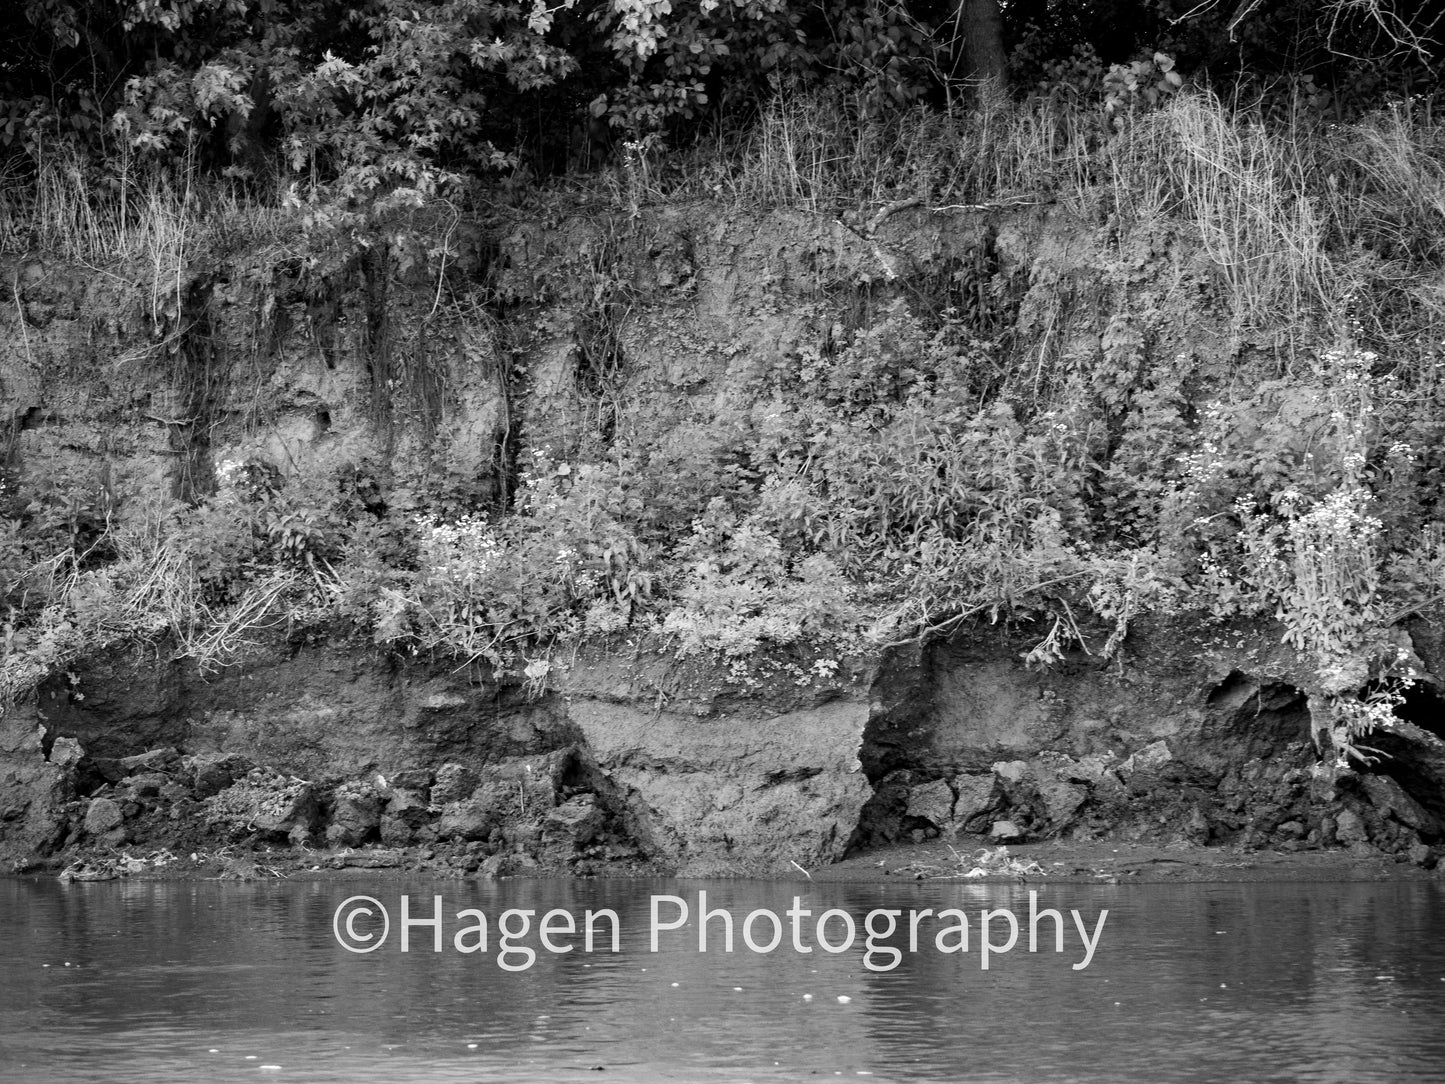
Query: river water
[[146, 981]]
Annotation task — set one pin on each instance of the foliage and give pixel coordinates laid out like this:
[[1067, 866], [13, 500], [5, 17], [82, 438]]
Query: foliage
[[926, 454]]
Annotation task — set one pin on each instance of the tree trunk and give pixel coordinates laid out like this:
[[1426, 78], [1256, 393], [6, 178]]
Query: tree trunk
[[979, 23]]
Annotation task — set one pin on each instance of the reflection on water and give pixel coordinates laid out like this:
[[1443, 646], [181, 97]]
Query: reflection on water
[[180, 982]]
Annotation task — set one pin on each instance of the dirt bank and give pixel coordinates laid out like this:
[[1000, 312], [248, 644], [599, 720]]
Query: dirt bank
[[659, 349], [1193, 742]]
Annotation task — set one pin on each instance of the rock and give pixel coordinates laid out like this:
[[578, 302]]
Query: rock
[[395, 832], [418, 779], [36, 788], [507, 865], [66, 753], [978, 796], [454, 783], [409, 806], [1350, 828], [469, 820], [522, 837], [212, 773], [443, 701], [491, 868], [355, 815], [1390, 798], [1147, 760], [211, 779], [1196, 827], [166, 760], [370, 859], [1420, 854], [932, 802], [148, 785], [173, 792], [576, 822], [104, 815], [296, 805], [1291, 829], [1005, 832], [1012, 771], [1060, 801], [1095, 770]]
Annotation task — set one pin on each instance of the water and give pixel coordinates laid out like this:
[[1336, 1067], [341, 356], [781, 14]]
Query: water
[[223, 982]]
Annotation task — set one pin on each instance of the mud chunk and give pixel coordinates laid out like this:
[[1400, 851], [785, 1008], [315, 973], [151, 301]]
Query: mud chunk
[[1012, 771], [412, 779], [1350, 828], [1005, 832], [408, 806], [66, 753], [468, 820], [355, 815], [212, 773], [577, 821], [148, 785], [103, 816], [1390, 798], [454, 783], [932, 802], [156, 760], [1147, 760], [978, 796]]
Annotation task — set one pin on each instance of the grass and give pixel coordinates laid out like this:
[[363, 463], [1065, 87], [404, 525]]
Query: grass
[[1338, 227], [969, 489], [148, 225], [1335, 228]]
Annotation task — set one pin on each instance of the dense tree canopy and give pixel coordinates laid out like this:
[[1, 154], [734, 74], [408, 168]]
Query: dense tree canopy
[[387, 95]]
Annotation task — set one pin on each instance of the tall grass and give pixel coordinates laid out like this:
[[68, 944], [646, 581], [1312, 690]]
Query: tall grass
[[65, 206], [831, 153], [1330, 232], [67, 209]]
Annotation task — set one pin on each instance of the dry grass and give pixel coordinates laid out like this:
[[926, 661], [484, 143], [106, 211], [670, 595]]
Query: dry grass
[[148, 590], [154, 225], [1318, 233], [832, 154]]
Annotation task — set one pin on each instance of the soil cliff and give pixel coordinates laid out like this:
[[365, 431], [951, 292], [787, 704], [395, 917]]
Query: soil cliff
[[649, 339]]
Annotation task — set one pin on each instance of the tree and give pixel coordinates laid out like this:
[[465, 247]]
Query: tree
[[980, 25]]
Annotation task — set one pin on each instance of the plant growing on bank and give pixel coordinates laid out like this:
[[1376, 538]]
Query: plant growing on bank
[[1312, 552], [928, 454]]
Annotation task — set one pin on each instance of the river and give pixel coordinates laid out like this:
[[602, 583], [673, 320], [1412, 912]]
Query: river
[[158, 982]]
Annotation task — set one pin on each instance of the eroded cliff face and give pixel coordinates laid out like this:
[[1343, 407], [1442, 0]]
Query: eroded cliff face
[[1193, 734], [635, 761], [624, 757]]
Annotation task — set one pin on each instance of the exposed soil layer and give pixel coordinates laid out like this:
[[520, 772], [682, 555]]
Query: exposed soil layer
[[1196, 737], [1191, 754]]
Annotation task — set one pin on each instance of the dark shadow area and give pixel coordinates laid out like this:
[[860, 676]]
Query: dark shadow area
[[1417, 765]]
